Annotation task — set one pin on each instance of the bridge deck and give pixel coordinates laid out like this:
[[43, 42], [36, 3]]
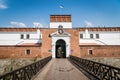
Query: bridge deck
[[60, 69]]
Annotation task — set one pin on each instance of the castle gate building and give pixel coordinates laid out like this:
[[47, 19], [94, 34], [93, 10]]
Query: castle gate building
[[60, 40]]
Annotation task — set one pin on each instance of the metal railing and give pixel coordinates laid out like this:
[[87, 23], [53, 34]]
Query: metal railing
[[26, 72], [98, 70]]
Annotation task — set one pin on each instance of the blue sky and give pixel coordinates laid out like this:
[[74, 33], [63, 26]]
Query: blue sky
[[31, 13]]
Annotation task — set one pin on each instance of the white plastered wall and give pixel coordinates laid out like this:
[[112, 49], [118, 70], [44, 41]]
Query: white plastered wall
[[64, 24], [105, 38], [13, 38]]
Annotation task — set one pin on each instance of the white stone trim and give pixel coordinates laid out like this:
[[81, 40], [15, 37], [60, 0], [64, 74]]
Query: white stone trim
[[92, 51], [64, 24], [67, 41]]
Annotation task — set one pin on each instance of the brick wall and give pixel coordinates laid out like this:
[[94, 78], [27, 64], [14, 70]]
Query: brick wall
[[46, 41], [19, 52], [100, 51], [74, 42], [60, 18]]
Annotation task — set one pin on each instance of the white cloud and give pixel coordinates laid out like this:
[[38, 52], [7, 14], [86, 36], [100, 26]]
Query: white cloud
[[88, 24], [2, 6], [61, 6], [37, 25], [18, 24], [22, 25], [13, 23]]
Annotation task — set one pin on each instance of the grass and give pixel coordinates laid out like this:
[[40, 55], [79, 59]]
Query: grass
[[7, 65]]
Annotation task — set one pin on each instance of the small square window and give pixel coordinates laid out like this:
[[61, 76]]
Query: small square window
[[28, 51], [81, 35], [90, 52], [91, 35], [97, 36], [27, 36], [22, 36]]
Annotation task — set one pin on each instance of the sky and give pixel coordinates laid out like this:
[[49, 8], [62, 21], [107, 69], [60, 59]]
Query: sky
[[36, 13]]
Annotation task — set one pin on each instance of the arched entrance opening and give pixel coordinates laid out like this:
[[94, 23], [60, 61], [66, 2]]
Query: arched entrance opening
[[60, 49]]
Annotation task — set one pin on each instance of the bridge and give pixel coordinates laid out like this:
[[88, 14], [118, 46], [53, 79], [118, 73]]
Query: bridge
[[72, 68]]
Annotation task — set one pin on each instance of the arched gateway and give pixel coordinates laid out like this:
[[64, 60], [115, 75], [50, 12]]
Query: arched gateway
[[60, 44], [60, 49]]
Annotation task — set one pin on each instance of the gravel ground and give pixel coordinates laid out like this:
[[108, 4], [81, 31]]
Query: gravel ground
[[6, 65], [109, 61]]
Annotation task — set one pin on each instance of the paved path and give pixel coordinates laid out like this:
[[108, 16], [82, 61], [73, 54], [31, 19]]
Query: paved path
[[60, 69]]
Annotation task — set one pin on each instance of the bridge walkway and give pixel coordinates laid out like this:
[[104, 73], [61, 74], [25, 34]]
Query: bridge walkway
[[60, 69]]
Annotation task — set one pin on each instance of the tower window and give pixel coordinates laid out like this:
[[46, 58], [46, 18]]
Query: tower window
[[22, 36], [97, 36], [28, 51], [81, 35], [91, 35], [90, 52], [27, 36]]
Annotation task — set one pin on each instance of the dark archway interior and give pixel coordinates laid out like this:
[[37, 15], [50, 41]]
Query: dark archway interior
[[60, 49]]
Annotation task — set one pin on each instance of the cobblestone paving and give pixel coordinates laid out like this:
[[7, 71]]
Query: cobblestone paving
[[60, 69]]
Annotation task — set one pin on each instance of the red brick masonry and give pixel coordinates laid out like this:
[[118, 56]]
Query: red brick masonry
[[19, 52], [100, 50]]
